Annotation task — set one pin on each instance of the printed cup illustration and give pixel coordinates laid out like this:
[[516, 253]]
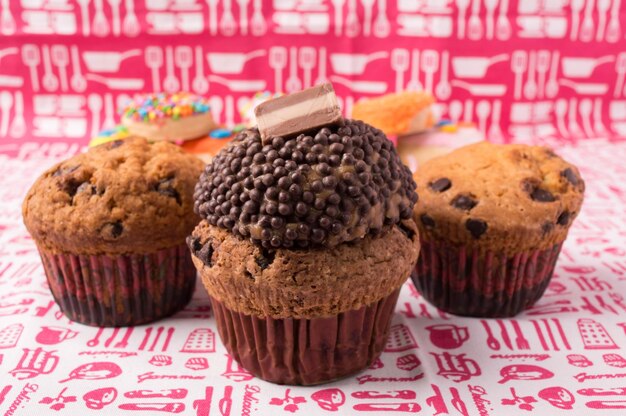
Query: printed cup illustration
[[329, 399], [448, 336], [524, 372], [97, 399], [50, 335], [558, 397], [456, 368], [35, 362], [578, 360], [94, 371]]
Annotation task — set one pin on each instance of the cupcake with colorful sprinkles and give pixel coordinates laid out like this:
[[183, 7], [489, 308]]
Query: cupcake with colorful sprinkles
[[168, 117]]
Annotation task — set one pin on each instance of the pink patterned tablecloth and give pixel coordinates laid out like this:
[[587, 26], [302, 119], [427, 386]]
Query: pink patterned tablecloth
[[566, 355], [550, 72]]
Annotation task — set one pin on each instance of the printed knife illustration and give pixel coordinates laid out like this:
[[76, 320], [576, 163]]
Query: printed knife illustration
[[599, 391]]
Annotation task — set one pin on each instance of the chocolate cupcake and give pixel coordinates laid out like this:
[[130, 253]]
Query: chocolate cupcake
[[305, 243], [110, 226], [492, 219]]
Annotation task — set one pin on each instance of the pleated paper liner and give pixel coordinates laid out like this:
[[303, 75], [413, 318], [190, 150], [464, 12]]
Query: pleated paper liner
[[306, 351], [468, 282], [120, 290]]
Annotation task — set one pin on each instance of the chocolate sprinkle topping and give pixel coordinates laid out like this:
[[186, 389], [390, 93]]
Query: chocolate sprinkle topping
[[476, 227], [440, 185], [324, 188], [464, 202]]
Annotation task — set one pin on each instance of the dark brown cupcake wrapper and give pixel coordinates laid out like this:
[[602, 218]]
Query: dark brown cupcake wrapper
[[306, 351], [120, 290], [463, 281]]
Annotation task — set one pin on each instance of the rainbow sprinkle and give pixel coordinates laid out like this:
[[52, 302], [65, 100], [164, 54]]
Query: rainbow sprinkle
[[150, 107], [109, 135]]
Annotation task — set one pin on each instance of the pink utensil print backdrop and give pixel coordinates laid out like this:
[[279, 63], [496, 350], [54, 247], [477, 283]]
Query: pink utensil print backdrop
[[533, 71], [518, 69]]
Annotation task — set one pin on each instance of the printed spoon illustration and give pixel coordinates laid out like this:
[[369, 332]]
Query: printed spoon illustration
[[258, 26], [492, 342], [382, 27], [49, 81], [503, 26], [6, 102], [77, 81], [18, 126], [443, 90], [95, 340], [199, 83], [170, 83]]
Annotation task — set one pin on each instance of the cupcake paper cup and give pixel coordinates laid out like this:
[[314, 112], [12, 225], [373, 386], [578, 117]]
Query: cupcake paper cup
[[120, 290], [306, 351], [464, 281]]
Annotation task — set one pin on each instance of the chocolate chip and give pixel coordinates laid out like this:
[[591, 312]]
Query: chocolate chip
[[205, 254], [65, 170], [427, 221], [112, 230], [476, 227], [541, 195], [166, 187], [547, 227], [115, 144], [464, 202], [570, 176], [265, 259], [563, 218], [70, 186], [440, 185], [86, 187], [193, 243], [406, 231]]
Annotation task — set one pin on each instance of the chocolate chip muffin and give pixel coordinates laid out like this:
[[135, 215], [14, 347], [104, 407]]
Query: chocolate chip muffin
[[304, 245], [492, 219], [110, 226]]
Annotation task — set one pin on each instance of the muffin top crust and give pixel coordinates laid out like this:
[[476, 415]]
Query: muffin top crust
[[514, 197], [325, 187], [303, 284], [126, 196]]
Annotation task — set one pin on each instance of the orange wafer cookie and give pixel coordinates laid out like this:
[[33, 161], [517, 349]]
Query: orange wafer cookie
[[397, 114]]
